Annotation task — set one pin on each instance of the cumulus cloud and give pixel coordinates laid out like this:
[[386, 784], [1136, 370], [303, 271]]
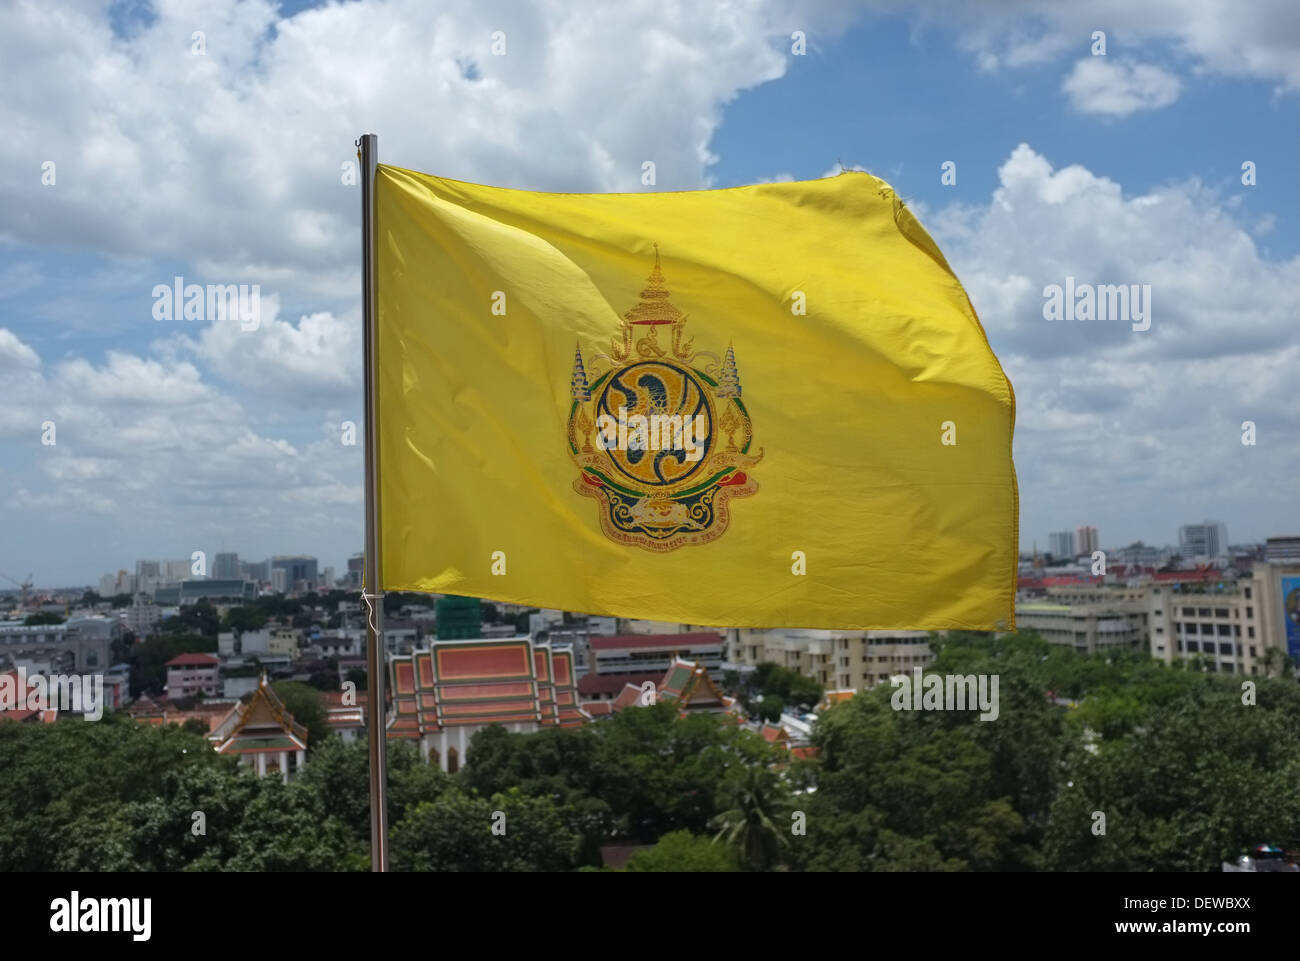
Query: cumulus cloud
[[235, 156], [1213, 294], [1220, 37], [14, 353], [1108, 417], [318, 358], [1118, 88], [150, 443]]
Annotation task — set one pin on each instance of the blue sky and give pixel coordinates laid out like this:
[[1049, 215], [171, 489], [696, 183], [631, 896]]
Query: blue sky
[[223, 167], [896, 100]]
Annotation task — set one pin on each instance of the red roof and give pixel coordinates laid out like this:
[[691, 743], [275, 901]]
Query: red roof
[[1212, 574], [598, 708], [193, 660], [622, 642], [590, 684], [630, 697], [334, 700]]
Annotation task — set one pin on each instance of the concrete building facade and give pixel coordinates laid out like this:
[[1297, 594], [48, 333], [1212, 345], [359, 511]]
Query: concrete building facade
[[844, 660], [192, 674]]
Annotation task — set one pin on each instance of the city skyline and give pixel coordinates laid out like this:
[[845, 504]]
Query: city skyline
[[340, 569]]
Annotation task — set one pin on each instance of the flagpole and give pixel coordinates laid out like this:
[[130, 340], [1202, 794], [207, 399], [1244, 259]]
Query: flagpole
[[372, 593]]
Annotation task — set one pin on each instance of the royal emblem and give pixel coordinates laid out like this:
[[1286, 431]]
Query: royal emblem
[[659, 433]]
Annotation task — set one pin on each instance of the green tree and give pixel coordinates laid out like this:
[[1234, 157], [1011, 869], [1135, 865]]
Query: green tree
[[200, 618], [751, 798], [76, 780], [684, 851], [455, 832], [307, 708], [1202, 777], [148, 659], [42, 617], [771, 707]]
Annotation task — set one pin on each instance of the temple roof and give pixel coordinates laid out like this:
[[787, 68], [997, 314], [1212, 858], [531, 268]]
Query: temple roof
[[590, 684], [460, 683], [630, 696], [261, 724], [831, 698], [772, 733], [690, 685]]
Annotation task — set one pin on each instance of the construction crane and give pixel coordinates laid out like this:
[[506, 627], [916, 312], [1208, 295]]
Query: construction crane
[[25, 586]]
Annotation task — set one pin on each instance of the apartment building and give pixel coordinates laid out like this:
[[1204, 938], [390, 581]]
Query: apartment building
[[191, 674], [1086, 627], [1226, 619], [843, 660]]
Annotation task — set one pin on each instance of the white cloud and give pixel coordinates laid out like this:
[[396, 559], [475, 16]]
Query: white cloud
[[149, 443], [1213, 294], [1117, 87], [130, 380], [1109, 418], [320, 355], [234, 157], [14, 353], [1223, 37]]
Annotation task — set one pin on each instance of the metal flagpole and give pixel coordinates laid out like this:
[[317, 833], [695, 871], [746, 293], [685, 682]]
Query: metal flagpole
[[372, 593]]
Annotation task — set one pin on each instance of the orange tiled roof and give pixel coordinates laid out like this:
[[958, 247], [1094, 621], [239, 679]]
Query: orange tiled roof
[[483, 681]]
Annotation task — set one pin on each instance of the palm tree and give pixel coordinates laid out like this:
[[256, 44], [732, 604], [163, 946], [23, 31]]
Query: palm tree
[[747, 826]]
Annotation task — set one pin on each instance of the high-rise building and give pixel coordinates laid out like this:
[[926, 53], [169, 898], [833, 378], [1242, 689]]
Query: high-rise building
[[296, 568], [142, 615], [1206, 539], [148, 576], [226, 566], [1140, 555], [177, 570], [1086, 540], [327, 579], [1061, 544], [356, 565], [257, 571], [110, 585], [1282, 550]]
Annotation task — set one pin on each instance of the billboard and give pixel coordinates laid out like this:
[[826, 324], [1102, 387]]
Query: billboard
[[1291, 615]]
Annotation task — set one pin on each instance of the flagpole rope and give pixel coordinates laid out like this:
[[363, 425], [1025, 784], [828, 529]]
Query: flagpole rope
[[370, 609]]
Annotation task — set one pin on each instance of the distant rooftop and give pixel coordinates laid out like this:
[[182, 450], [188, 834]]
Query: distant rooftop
[[194, 660], [664, 642]]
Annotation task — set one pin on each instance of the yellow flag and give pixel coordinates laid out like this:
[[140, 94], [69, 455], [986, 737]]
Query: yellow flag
[[767, 406]]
